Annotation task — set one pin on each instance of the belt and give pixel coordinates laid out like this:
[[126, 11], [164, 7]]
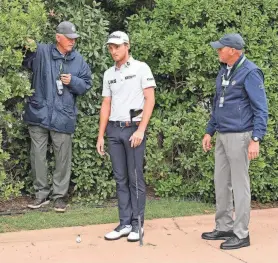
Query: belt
[[124, 124]]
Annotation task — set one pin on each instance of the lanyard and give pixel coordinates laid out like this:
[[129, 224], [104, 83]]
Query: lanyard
[[61, 68], [226, 81], [59, 83], [235, 70]]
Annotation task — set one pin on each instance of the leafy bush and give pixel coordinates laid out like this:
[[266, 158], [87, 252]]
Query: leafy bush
[[18, 20], [173, 39], [91, 174]]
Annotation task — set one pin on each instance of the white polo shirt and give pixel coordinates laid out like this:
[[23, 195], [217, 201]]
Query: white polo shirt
[[125, 86]]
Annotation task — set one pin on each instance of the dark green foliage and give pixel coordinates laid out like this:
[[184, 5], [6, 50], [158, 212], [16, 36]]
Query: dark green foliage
[[173, 37], [91, 174], [119, 10], [18, 20]]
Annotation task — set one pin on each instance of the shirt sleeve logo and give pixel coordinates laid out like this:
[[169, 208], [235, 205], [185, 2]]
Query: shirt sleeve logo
[[150, 79]]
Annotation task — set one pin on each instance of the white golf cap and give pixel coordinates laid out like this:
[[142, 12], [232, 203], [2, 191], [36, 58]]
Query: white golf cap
[[118, 38]]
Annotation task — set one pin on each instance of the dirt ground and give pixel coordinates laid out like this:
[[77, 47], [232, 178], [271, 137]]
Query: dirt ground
[[171, 240]]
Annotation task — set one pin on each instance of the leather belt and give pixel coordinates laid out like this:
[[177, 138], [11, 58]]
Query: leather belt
[[124, 124]]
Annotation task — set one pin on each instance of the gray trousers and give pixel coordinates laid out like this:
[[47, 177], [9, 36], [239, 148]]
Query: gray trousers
[[231, 179], [62, 146], [123, 165]]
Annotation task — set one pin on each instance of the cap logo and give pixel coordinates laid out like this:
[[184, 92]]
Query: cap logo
[[114, 36]]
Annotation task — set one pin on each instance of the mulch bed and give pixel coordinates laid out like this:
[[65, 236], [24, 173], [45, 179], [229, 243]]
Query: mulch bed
[[17, 203]]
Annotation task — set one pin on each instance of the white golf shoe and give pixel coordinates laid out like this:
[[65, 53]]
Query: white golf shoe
[[134, 234], [118, 232]]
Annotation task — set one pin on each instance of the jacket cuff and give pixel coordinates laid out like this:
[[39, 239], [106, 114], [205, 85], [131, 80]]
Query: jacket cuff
[[258, 135], [210, 132], [73, 81]]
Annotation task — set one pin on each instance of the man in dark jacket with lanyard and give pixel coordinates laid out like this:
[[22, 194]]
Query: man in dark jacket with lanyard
[[240, 117], [60, 74]]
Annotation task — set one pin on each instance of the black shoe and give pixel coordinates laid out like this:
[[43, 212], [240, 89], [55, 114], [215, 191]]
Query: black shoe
[[37, 203], [235, 243], [218, 235], [60, 205]]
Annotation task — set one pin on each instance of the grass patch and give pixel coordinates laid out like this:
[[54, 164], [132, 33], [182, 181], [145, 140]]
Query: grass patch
[[81, 216]]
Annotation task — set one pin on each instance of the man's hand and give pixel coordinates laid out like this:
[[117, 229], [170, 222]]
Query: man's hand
[[65, 78], [253, 150], [100, 146], [136, 138], [30, 44], [30, 40], [206, 142]]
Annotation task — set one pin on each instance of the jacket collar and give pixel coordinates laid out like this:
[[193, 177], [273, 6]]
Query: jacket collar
[[57, 55], [224, 65]]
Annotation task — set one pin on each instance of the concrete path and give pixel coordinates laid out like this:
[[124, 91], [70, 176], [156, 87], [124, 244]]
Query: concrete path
[[166, 240]]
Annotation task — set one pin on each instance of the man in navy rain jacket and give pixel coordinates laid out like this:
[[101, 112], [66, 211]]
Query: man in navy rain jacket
[[60, 74]]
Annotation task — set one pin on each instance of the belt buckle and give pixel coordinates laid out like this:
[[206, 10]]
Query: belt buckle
[[122, 126]]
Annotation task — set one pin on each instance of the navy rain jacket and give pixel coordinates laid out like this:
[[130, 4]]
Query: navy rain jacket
[[45, 107]]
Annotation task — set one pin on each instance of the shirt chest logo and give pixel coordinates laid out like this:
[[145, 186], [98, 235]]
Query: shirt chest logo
[[130, 77], [111, 81]]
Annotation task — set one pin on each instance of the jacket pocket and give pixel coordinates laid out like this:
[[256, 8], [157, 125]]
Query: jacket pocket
[[240, 116], [229, 117], [36, 102], [36, 110], [68, 98], [65, 119]]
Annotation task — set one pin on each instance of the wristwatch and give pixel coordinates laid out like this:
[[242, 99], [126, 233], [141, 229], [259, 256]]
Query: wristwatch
[[255, 139]]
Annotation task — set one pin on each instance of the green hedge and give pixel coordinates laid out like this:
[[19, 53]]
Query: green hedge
[[173, 38], [91, 174], [19, 19]]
